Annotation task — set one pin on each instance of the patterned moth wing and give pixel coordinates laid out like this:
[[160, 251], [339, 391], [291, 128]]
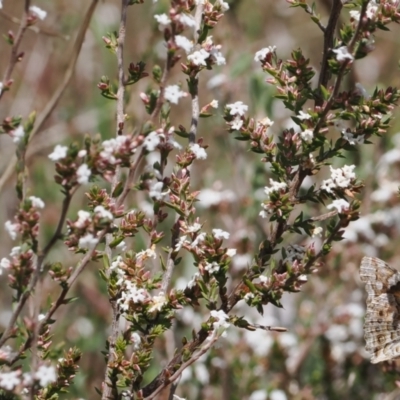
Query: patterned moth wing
[[381, 329]]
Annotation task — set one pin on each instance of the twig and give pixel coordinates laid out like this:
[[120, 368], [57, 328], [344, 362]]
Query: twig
[[310, 11], [34, 28], [42, 117], [15, 47]]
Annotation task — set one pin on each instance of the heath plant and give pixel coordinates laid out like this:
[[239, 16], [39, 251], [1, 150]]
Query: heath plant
[[177, 267]]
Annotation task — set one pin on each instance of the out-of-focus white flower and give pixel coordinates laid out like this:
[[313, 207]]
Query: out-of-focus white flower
[[303, 116], [186, 19], [151, 141], [261, 54], [103, 213], [194, 228], [88, 242], [359, 139], [342, 54], [136, 341], [46, 375], [41, 14], [198, 151], [277, 394], [12, 229], [8, 380], [199, 57], [258, 395], [184, 43], [237, 108], [5, 263], [36, 202], [214, 104], [158, 302], [231, 252], [212, 267], [155, 191], [222, 319], [83, 174], [316, 231], [307, 135], [162, 19], [58, 153], [340, 205], [275, 187], [220, 234], [18, 134], [199, 239], [83, 219], [223, 4], [173, 93]]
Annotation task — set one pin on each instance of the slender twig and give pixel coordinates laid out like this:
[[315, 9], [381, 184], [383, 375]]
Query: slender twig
[[34, 28], [14, 57], [44, 115], [310, 11]]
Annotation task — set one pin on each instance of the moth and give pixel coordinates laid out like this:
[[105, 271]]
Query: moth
[[382, 320]]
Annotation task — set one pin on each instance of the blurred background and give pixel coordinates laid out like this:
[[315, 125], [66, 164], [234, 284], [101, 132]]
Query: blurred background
[[322, 355]]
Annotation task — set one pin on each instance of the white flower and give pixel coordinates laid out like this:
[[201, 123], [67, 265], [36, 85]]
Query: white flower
[[8, 380], [275, 187], [103, 213], [231, 252], [214, 104], [5, 263], [342, 54], [162, 19], [83, 218], [58, 153], [340, 178], [18, 134], [12, 229], [173, 93], [261, 54], [36, 202], [158, 302], [359, 139], [136, 341], [258, 395], [15, 251], [217, 56], [237, 123], [193, 281], [187, 20], [145, 254], [198, 152], [199, 57], [1, 3], [340, 205], [199, 239], [248, 296], [355, 14], [1, 83], [88, 241], [82, 153], [211, 268], [41, 14], [277, 394], [223, 4], [194, 228], [221, 319], [46, 375], [266, 122], [220, 234], [302, 115], [155, 191], [184, 43], [182, 240], [41, 317], [237, 108], [317, 231], [83, 174], [151, 141], [307, 135], [131, 293]]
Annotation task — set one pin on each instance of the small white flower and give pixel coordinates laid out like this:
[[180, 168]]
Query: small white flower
[[58, 153], [187, 20], [237, 108], [194, 228], [41, 14], [220, 234], [41, 317], [184, 43], [155, 191], [151, 141], [340, 205], [36, 202], [277, 394], [82, 153], [237, 123], [103, 213], [158, 302], [248, 296], [307, 135], [355, 14], [46, 375], [261, 54], [231, 252], [342, 54], [83, 218], [173, 93], [214, 104], [162, 19], [211, 268], [275, 187], [88, 242], [221, 319], [8, 380], [199, 239], [5, 263], [83, 174], [193, 281], [317, 231], [136, 341], [182, 240], [359, 139], [18, 134], [199, 57], [217, 56], [15, 251], [12, 229], [198, 151], [302, 115], [223, 4]]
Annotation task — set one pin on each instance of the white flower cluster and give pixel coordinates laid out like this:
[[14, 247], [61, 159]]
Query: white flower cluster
[[341, 178], [372, 9], [222, 321], [209, 51], [340, 205], [114, 146], [155, 138], [275, 187], [238, 109], [261, 54], [342, 54]]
